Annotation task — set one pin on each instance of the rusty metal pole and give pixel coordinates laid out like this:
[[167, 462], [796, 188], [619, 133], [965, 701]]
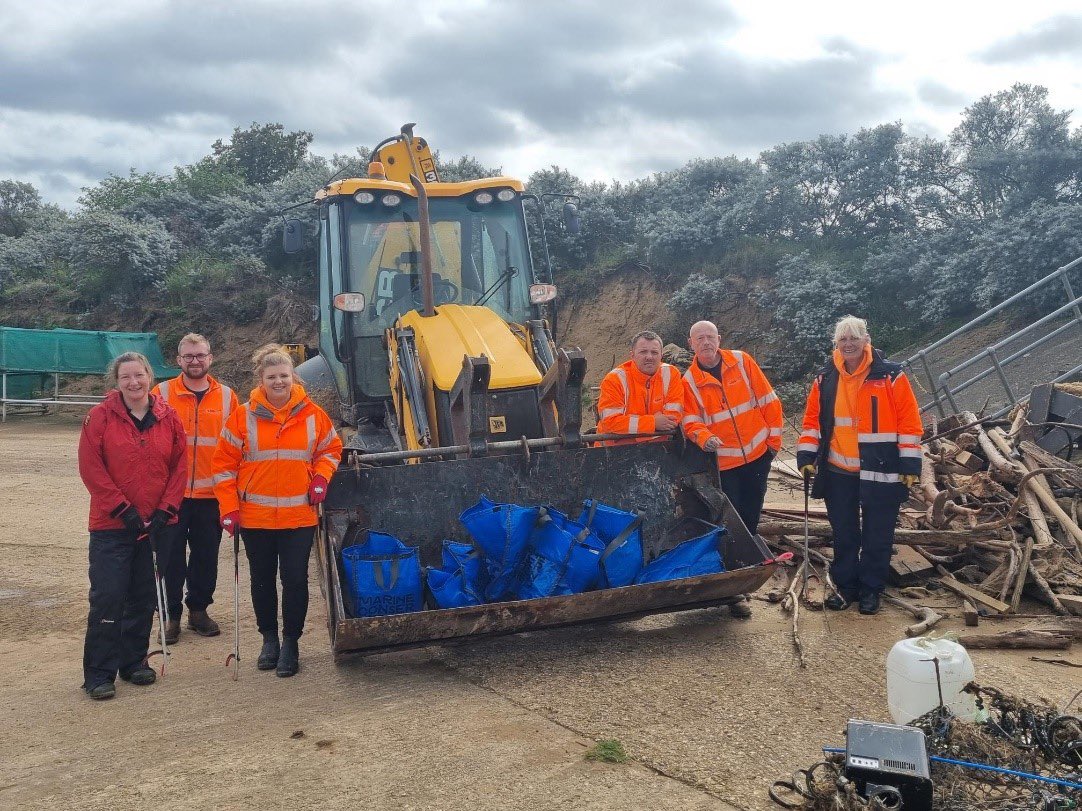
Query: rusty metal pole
[[426, 247]]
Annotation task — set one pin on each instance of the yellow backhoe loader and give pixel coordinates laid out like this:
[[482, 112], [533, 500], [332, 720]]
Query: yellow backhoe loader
[[435, 334]]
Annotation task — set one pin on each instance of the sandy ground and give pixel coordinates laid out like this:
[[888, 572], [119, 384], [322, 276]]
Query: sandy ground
[[711, 709]]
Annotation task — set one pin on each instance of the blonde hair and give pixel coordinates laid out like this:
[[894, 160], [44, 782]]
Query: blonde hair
[[126, 357], [269, 355], [851, 325], [193, 338]]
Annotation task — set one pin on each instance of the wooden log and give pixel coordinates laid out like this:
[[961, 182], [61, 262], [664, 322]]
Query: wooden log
[[1045, 590], [1070, 473], [928, 617], [902, 536], [1023, 570], [1023, 638], [962, 590], [970, 461], [1072, 602], [969, 612], [1044, 495], [908, 566]]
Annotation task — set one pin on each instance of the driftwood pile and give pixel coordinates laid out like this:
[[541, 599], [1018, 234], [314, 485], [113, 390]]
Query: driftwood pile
[[994, 517]]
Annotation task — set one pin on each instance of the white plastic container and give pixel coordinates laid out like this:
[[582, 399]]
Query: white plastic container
[[912, 688]]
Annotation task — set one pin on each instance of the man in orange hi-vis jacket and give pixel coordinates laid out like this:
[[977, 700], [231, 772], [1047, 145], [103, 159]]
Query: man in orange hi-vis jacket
[[642, 395], [731, 409], [203, 405]]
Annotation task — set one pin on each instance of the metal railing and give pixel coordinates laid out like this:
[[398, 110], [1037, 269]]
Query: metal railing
[[58, 399], [944, 393]]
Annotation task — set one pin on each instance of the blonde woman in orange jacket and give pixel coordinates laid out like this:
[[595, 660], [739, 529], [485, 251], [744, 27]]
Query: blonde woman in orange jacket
[[271, 469]]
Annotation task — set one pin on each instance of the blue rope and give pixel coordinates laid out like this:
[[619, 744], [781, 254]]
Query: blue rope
[[985, 767]]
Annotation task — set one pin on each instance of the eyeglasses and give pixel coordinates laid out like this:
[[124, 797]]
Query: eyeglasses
[[200, 357]]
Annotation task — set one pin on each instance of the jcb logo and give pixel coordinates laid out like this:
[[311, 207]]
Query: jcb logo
[[497, 425]]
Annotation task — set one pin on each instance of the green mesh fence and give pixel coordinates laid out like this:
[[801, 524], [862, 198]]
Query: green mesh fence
[[33, 352]]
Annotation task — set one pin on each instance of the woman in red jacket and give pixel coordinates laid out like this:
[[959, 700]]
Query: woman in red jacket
[[271, 468], [132, 460]]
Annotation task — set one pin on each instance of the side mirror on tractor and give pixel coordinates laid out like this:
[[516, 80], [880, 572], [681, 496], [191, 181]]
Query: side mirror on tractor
[[571, 218], [293, 235]]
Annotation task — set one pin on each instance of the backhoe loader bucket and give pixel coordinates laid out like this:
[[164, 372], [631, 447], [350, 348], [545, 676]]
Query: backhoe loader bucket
[[668, 481]]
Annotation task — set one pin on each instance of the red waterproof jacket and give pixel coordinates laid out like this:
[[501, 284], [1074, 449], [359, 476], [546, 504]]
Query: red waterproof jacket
[[123, 467]]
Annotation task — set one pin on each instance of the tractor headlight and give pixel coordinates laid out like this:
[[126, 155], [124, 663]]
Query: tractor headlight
[[364, 197], [505, 195], [391, 200], [483, 198]]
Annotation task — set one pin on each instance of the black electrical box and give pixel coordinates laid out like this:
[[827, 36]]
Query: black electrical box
[[881, 757]]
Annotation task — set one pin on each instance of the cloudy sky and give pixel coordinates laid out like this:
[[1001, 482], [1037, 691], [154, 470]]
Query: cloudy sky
[[609, 90]]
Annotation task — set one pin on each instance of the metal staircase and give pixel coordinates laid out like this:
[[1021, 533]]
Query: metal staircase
[[950, 378]]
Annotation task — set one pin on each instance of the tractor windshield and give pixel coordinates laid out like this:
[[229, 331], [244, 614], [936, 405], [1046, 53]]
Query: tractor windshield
[[479, 256]]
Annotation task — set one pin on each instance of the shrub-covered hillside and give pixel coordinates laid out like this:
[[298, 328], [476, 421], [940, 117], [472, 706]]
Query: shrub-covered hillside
[[906, 231]]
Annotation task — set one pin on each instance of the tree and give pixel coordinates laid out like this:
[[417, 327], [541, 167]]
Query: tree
[[113, 257], [19, 202], [263, 153], [115, 193]]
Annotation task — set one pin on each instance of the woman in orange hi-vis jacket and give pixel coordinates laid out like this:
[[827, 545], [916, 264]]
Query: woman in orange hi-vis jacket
[[271, 468], [861, 440]]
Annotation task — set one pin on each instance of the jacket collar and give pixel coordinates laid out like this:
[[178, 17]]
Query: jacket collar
[[633, 372], [183, 391], [728, 361], [261, 407], [114, 401], [880, 367]]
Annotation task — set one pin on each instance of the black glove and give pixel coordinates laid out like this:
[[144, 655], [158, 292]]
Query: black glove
[[134, 522], [158, 521]]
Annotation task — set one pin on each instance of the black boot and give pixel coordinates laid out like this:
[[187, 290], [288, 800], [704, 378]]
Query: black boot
[[268, 656], [289, 660]]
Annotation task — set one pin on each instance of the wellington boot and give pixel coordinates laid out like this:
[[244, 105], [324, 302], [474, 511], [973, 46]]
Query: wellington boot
[[268, 655], [289, 659], [202, 624], [102, 692], [172, 632]]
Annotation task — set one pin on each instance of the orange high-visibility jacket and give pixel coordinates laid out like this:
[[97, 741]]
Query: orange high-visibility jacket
[[744, 413], [885, 415], [266, 458], [203, 421], [629, 399]]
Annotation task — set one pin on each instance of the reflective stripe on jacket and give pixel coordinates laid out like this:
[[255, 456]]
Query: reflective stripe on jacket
[[887, 422], [266, 458], [203, 421], [629, 399], [744, 412], [124, 467]]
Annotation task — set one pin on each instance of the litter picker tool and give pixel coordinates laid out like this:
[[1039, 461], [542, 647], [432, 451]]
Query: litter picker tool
[[234, 657], [163, 603], [808, 573]]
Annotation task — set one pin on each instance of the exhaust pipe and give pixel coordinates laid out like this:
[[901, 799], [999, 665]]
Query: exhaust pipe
[[426, 247]]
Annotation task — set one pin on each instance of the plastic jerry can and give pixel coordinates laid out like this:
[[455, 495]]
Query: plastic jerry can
[[912, 686]]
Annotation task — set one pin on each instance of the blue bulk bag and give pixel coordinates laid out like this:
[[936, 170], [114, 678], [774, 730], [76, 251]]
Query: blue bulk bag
[[621, 532], [691, 558], [562, 558], [383, 575], [464, 557], [501, 532], [452, 589]]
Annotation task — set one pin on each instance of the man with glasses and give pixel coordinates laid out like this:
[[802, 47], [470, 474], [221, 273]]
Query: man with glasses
[[203, 404]]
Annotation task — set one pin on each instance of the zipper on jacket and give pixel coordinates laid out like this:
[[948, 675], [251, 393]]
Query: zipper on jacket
[[195, 446], [875, 414]]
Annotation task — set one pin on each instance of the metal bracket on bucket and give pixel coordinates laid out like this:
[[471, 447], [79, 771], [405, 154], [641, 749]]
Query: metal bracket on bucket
[[469, 405], [562, 387]]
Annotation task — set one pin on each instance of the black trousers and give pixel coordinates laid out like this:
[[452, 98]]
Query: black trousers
[[863, 530], [122, 603], [284, 553], [745, 487], [198, 533]]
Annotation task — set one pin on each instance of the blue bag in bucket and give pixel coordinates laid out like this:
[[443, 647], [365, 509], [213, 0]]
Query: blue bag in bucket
[[621, 532], [691, 558], [384, 576], [465, 557], [501, 532], [452, 589], [563, 557]]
